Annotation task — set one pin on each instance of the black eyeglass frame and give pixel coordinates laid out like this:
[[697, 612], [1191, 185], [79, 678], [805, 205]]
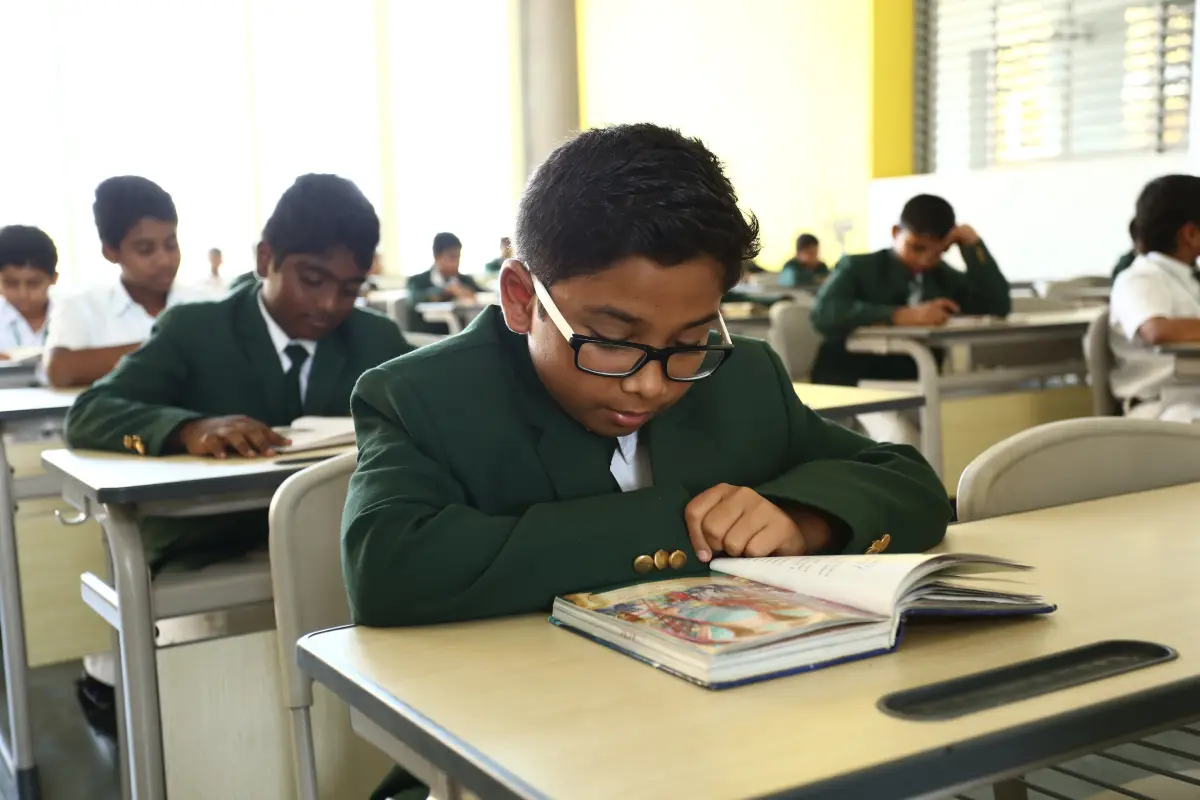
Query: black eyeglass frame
[[649, 354]]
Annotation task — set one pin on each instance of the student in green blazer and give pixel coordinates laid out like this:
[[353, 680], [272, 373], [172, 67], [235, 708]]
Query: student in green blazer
[[594, 430], [906, 284], [805, 268], [441, 283], [493, 267], [1126, 260]]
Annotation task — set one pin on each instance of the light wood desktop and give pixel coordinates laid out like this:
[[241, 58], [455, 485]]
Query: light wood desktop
[[519, 708], [839, 402]]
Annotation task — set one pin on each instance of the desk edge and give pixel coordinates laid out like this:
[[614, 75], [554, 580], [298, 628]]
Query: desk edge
[[854, 409]]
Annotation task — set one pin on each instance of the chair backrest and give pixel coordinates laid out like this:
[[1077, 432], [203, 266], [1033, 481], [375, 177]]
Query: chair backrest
[[1099, 357], [1061, 290], [306, 561], [1026, 303], [1074, 460], [793, 337]]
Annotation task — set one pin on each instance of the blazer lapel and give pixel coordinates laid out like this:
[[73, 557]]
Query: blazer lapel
[[325, 378], [681, 447], [264, 360]]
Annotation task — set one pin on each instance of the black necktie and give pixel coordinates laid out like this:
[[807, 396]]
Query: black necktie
[[297, 355]]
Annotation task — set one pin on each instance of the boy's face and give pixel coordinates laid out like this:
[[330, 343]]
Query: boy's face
[[809, 256], [634, 300], [917, 251], [214, 260], [27, 289], [447, 260], [310, 294], [148, 255]]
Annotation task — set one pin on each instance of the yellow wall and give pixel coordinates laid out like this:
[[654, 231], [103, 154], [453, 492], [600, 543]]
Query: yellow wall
[[784, 91]]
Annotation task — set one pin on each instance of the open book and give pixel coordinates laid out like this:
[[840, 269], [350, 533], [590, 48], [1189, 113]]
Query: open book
[[758, 618], [22, 355], [315, 433]]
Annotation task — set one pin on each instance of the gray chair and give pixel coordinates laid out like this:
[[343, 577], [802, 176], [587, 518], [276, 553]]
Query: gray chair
[[793, 337], [1074, 460], [1099, 359]]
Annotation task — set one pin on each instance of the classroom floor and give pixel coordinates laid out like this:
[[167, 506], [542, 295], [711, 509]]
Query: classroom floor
[[72, 762]]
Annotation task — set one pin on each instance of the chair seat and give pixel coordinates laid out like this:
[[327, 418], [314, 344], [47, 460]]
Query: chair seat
[[229, 584]]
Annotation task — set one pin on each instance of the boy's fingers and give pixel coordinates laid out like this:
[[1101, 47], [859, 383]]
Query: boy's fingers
[[694, 516], [237, 440]]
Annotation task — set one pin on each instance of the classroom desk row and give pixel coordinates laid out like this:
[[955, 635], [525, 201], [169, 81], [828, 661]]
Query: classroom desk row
[[116, 489], [574, 719]]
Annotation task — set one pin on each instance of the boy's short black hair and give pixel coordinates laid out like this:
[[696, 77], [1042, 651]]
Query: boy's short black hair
[[26, 246], [320, 212], [1165, 205], [504, 240], [928, 215], [124, 201], [214, 251], [443, 242], [627, 190], [806, 240]]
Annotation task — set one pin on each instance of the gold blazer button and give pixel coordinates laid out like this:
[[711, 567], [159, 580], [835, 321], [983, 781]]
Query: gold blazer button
[[643, 564], [677, 559], [135, 444], [661, 559], [879, 545]]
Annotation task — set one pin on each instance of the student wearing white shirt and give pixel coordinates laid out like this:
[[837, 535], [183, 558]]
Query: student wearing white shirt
[[1156, 301], [92, 328], [28, 268]]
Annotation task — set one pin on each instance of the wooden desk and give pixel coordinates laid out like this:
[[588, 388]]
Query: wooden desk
[[17, 375], [518, 708], [16, 744], [840, 402], [454, 315], [1187, 360], [117, 489], [919, 344]]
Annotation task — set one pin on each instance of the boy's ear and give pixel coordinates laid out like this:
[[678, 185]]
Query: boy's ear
[[54, 279], [517, 299], [110, 254], [264, 255], [895, 231]]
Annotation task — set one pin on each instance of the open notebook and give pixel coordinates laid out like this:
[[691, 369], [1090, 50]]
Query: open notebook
[[315, 433], [759, 618]]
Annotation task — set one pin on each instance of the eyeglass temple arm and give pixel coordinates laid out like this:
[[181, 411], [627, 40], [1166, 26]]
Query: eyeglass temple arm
[[560, 322]]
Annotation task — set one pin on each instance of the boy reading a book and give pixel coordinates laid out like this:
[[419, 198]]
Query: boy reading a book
[[215, 377], [593, 431], [28, 268]]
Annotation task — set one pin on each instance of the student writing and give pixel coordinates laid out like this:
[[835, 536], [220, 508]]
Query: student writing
[[28, 268], [805, 268], [89, 330]]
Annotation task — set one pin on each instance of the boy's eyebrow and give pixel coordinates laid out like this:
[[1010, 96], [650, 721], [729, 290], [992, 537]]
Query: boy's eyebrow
[[633, 319], [301, 264]]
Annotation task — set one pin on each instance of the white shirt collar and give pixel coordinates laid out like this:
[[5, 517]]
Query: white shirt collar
[[279, 337], [436, 277], [120, 301], [1174, 265], [627, 447]]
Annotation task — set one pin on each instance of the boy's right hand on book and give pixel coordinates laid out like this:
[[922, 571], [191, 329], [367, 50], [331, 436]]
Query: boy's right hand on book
[[738, 521], [931, 312], [218, 436]]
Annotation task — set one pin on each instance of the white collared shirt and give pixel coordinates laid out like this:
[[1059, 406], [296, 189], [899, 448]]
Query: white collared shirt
[[1155, 285], [281, 340], [631, 464], [15, 330], [106, 316]]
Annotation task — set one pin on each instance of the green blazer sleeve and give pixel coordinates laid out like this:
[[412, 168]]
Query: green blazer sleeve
[[154, 375], [470, 283], [422, 290], [839, 308], [982, 289], [870, 488], [414, 550]]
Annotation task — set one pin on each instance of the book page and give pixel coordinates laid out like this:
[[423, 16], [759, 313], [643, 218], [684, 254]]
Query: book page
[[870, 582], [312, 433]]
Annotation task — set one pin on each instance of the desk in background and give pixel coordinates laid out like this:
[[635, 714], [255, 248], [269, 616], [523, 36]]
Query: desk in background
[[919, 344], [1187, 360], [518, 708], [117, 489], [841, 402], [456, 315]]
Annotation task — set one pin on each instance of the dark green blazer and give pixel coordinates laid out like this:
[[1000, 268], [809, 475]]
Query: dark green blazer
[[213, 359], [245, 279], [796, 275], [476, 495], [1123, 263], [422, 290], [492, 267], [866, 289]]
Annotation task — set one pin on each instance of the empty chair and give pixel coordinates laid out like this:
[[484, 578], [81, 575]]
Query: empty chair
[[793, 337]]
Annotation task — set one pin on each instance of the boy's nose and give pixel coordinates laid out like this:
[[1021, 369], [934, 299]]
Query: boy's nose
[[649, 382]]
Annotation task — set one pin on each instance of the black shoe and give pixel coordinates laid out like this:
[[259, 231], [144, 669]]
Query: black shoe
[[98, 702]]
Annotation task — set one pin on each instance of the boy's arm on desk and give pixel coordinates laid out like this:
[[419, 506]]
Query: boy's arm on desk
[[838, 308], [139, 398], [415, 551], [67, 368]]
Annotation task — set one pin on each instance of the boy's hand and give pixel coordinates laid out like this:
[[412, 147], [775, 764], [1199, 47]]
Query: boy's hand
[[216, 436], [964, 235], [460, 292], [931, 312], [740, 522]]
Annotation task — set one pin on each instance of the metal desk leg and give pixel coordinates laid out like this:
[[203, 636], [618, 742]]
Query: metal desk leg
[[17, 754], [118, 691], [139, 669], [929, 381]]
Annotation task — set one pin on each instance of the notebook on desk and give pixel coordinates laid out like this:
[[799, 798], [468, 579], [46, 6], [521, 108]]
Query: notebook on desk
[[315, 433], [759, 618], [19, 356]]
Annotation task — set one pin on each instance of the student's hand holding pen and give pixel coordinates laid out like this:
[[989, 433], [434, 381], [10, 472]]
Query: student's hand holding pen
[[219, 436], [738, 521], [931, 312]]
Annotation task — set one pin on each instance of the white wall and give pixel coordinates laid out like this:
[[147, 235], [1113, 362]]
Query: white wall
[[1041, 221]]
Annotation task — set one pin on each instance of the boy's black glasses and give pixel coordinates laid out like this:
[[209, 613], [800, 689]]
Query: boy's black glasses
[[611, 359]]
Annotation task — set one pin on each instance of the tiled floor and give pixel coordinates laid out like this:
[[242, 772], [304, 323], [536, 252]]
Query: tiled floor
[[72, 762]]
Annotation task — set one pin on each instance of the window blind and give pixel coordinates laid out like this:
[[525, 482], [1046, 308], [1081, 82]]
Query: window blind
[[1005, 81]]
